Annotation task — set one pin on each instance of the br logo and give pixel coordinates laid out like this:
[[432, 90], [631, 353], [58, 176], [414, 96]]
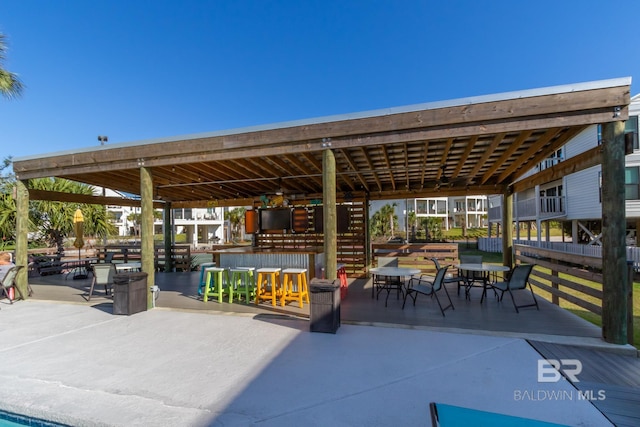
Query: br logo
[[549, 370]]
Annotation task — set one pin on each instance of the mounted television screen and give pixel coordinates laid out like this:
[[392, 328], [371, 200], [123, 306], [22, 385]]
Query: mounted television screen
[[275, 219], [342, 215]]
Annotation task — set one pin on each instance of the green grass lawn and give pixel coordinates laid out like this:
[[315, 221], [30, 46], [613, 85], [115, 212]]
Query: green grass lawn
[[496, 258]]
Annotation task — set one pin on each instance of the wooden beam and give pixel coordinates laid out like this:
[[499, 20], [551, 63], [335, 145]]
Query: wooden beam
[[208, 203], [425, 158], [497, 139], [557, 110], [351, 165], [543, 154], [465, 155], [590, 158], [57, 196]]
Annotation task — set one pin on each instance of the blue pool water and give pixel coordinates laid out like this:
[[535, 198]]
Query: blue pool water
[[10, 419]]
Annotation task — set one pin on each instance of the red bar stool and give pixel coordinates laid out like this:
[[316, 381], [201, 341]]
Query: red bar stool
[[344, 283], [299, 292], [268, 285]]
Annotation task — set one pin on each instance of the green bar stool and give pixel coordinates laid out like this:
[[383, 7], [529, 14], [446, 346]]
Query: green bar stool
[[241, 278], [216, 284]]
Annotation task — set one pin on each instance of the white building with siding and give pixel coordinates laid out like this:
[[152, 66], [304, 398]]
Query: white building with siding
[[201, 226], [575, 200]]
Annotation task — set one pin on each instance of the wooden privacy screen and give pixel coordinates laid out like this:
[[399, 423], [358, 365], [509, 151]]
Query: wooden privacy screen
[[351, 250]]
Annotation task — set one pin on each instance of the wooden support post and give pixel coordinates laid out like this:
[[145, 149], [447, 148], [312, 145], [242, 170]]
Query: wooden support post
[[168, 238], [507, 229], [22, 230], [330, 225], [547, 231], [630, 276], [367, 235], [614, 261], [554, 284], [146, 230]]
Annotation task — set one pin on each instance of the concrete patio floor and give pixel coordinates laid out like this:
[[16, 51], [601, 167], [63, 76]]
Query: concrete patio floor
[[81, 365]]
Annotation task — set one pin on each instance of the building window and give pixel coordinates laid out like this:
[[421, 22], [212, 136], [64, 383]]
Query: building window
[[631, 183], [600, 185], [599, 134], [631, 126], [421, 207], [555, 158]]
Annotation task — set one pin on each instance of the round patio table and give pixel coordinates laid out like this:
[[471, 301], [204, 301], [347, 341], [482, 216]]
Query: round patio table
[[486, 270], [391, 279]]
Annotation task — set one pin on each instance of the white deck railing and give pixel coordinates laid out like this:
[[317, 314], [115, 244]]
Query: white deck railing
[[494, 244]]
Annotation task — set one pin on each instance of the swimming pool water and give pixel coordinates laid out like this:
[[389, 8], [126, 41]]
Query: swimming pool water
[[10, 419]]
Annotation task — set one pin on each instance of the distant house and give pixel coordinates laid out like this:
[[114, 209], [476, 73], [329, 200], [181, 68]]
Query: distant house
[[200, 226], [454, 212], [576, 199]]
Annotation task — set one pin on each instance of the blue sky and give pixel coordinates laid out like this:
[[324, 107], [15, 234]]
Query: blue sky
[[135, 70]]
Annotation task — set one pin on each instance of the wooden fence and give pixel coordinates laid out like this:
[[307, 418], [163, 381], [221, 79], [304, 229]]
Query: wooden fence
[[181, 255], [417, 255], [546, 276], [570, 277]]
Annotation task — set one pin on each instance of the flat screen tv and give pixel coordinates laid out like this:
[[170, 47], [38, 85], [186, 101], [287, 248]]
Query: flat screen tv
[[342, 215], [275, 219]]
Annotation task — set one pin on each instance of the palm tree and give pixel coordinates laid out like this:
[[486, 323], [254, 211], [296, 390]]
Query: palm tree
[[384, 221], [236, 219], [10, 84], [54, 220]]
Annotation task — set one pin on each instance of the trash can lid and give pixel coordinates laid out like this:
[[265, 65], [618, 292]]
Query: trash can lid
[[323, 284], [126, 278]]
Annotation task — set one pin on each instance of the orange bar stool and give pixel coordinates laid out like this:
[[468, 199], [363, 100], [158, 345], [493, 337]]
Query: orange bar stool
[[216, 284], [268, 285], [241, 278], [298, 291]]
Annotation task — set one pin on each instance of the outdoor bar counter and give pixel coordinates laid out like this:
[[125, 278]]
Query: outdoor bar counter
[[311, 258]]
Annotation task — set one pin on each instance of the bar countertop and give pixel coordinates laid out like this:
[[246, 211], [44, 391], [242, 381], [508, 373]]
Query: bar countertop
[[268, 250]]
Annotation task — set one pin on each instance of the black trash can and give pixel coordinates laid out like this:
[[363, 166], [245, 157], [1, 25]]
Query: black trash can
[[325, 305], [129, 293]]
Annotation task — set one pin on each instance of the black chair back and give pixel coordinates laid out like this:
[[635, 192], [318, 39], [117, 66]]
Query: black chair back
[[437, 282], [520, 276]]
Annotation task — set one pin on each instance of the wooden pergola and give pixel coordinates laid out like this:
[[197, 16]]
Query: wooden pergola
[[473, 146]]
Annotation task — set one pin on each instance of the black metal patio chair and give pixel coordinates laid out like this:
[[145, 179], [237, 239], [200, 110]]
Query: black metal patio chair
[[9, 281], [418, 286], [518, 280]]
